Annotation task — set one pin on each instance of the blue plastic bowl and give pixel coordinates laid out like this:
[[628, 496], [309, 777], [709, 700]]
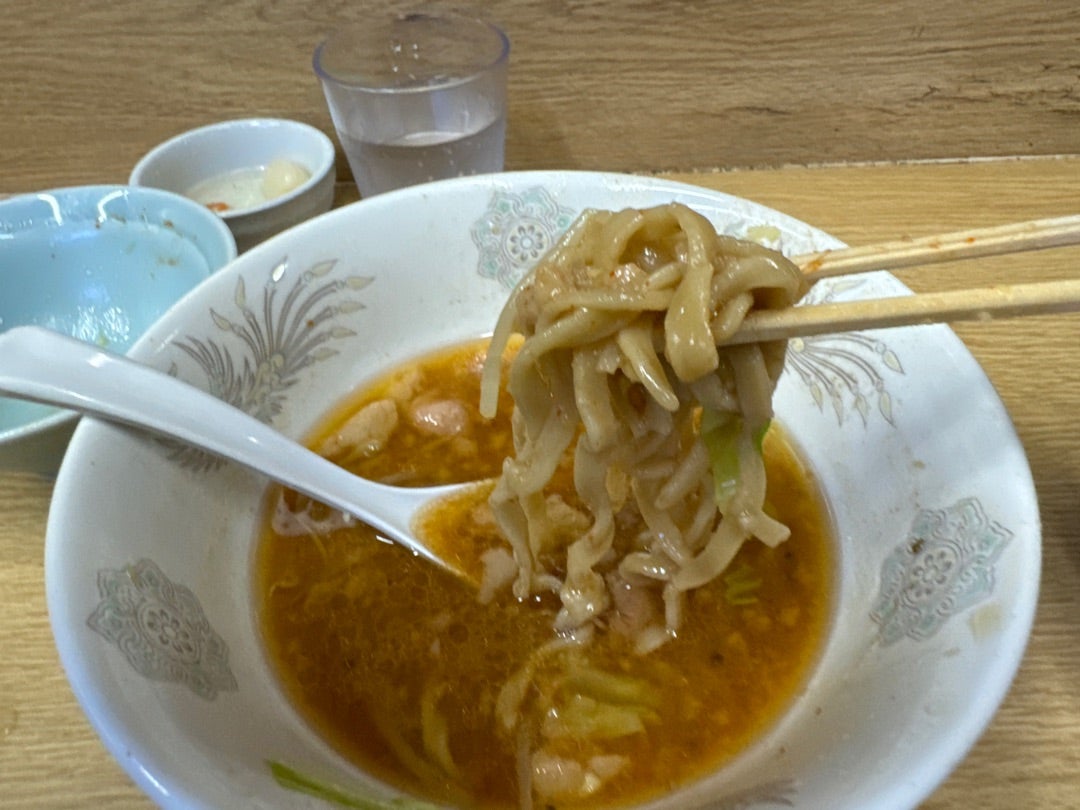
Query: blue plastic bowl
[[101, 263]]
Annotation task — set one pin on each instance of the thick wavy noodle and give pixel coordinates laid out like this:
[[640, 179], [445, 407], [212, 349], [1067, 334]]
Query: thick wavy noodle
[[624, 368]]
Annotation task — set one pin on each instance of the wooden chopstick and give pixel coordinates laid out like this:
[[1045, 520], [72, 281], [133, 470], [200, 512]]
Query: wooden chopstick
[[1035, 234], [982, 304], [988, 303]]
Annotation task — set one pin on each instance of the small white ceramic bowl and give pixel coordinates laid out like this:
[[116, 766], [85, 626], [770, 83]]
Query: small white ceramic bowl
[[149, 551], [100, 263], [239, 154]]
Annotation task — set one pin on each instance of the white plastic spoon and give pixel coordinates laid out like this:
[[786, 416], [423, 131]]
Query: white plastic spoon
[[45, 366]]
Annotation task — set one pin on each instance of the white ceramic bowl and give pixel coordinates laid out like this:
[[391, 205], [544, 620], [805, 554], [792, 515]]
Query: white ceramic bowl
[[100, 263], [936, 517], [181, 163]]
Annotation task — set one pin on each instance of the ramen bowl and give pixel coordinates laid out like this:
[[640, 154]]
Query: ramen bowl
[[100, 263], [261, 175], [151, 592]]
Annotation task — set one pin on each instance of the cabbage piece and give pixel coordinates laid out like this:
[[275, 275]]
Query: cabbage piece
[[584, 718], [610, 687], [599, 705], [720, 432], [741, 586]]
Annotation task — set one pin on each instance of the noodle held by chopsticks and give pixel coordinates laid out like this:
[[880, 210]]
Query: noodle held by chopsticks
[[623, 365]]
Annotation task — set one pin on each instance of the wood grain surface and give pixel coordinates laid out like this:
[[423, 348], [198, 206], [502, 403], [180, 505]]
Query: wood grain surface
[[625, 85], [1030, 755]]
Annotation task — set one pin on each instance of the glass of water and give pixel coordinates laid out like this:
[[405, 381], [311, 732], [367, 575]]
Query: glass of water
[[417, 97]]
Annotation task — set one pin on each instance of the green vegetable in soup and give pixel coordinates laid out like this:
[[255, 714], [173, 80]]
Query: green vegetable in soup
[[720, 432], [291, 779]]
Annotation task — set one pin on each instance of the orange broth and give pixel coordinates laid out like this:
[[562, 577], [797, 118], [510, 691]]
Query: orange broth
[[366, 638]]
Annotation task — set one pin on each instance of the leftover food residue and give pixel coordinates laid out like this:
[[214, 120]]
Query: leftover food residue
[[246, 188]]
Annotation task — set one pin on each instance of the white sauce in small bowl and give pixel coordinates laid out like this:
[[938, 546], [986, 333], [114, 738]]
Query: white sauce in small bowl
[[246, 188]]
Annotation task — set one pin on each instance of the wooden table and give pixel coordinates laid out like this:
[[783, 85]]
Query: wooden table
[[615, 84], [1029, 757]]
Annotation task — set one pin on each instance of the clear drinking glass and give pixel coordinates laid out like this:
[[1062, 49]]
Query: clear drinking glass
[[417, 97]]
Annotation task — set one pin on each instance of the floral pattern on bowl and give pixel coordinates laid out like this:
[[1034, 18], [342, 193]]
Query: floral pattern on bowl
[[944, 567], [161, 629], [849, 372], [516, 230], [286, 330]]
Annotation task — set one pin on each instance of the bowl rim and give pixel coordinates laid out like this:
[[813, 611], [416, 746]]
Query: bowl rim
[[88, 197], [324, 166]]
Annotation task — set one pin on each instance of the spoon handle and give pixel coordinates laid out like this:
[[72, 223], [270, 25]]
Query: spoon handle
[[45, 366]]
